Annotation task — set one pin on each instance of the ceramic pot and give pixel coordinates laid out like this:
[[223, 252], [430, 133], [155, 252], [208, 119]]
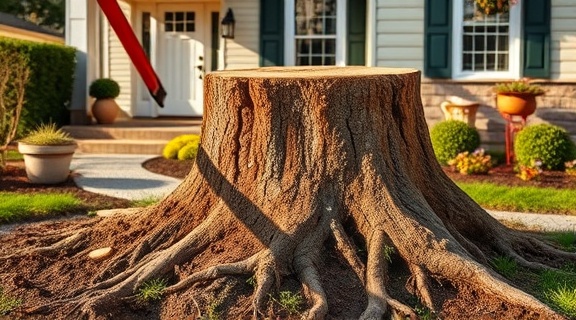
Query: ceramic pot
[[47, 164], [105, 111], [516, 104]]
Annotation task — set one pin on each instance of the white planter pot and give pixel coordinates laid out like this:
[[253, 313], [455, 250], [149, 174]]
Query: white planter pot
[[47, 164]]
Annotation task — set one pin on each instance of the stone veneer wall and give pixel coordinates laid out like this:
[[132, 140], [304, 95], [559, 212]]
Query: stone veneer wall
[[557, 106]]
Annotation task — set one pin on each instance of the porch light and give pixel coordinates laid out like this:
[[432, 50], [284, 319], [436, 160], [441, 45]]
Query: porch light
[[228, 25]]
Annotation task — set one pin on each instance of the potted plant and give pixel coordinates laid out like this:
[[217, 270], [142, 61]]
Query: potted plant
[[47, 153], [517, 97], [104, 108]]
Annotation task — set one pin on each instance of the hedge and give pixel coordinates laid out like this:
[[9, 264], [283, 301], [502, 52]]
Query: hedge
[[49, 89]]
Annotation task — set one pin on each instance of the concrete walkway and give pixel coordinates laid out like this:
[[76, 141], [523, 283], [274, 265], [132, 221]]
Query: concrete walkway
[[122, 176]]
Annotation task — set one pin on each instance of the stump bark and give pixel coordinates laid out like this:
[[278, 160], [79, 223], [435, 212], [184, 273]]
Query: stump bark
[[294, 162]]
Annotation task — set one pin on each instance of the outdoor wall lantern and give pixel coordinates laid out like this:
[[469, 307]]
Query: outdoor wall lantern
[[228, 24]]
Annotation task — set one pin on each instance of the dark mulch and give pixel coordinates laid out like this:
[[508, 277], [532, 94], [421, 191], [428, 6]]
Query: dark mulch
[[503, 174]]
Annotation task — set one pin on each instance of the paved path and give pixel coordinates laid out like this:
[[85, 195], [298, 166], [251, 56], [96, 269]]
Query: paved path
[[122, 176]]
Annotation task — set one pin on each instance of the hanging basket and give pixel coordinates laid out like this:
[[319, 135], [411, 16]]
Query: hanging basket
[[492, 7]]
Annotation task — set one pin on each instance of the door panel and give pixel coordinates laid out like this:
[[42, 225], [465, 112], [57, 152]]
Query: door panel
[[181, 58]]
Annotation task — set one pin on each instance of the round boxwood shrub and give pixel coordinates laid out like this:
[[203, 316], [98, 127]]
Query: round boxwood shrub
[[451, 137], [104, 88], [173, 147], [545, 142]]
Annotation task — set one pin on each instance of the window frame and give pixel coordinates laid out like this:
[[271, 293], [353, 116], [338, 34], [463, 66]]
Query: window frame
[[290, 33], [514, 46]]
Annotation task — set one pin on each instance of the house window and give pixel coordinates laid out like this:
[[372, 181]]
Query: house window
[[484, 45], [315, 32], [179, 21]]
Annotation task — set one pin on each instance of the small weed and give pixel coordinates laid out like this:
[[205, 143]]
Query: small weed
[[564, 298], [566, 240], [388, 252], [425, 313], [559, 289], [289, 301], [506, 266], [145, 202], [91, 214], [213, 311], [7, 303], [14, 155], [251, 281], [151, 289]]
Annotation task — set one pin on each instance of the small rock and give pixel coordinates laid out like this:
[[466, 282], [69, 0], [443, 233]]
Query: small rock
[[101, 253]]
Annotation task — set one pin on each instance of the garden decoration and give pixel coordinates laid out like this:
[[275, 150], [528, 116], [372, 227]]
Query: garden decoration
[[492, 7]]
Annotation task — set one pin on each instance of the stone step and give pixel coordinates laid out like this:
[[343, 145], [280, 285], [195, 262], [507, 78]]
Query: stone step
[[131, 133], [121, 146]]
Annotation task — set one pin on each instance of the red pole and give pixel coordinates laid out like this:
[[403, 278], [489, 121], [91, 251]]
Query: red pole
[[135, 51]]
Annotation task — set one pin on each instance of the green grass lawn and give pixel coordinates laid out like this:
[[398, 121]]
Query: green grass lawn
[[14, 206], [522, 199]]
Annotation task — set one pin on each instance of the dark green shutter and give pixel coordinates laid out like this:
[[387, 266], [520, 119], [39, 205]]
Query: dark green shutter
[[356, 46], [536, 46], [438, 39], [271, 33]]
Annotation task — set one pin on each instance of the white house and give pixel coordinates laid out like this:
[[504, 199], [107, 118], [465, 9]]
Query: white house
[[458, 50]]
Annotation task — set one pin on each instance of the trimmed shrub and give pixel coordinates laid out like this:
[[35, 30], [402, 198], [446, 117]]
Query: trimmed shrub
[[104, 88], [451, 137], [49, 90], [173, 147], [547, 143]]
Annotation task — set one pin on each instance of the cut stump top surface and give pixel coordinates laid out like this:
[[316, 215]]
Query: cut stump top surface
[[312, 72]]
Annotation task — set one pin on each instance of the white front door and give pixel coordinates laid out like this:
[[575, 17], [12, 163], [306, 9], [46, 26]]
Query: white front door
[[181, 58]]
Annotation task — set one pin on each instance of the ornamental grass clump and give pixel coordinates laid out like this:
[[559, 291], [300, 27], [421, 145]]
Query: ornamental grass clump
[[549, 144], [476, 162], [47, 135], [449, 138], [519, 86]]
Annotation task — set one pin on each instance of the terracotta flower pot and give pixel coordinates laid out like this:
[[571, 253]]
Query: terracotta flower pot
[[517, 104], [47, 164], [105, 111]]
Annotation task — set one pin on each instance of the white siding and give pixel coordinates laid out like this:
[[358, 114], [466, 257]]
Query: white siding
[[400, 33], [242, 52], [119, 64], [563, 64]]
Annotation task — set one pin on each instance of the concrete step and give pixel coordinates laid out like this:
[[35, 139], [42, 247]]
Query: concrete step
[[121, 146], [132, 136]]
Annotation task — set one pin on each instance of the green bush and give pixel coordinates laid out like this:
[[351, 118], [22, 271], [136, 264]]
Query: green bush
[[49, 90], [545, 142], [172, 148], [104, 88], [449, 138]]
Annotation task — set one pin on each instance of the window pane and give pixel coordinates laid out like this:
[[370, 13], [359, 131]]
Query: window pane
[[190, 16], [179, 27], [315, 31], [190, 27], [168, 16], [179, 16], [168, 27], [484, 39]]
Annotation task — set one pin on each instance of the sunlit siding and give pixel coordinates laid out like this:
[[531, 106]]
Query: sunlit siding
[[119, 64], [242, 51], [563, 66], [400, 33]]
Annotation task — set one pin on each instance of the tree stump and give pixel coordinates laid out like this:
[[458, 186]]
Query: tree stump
[[296, 162]]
